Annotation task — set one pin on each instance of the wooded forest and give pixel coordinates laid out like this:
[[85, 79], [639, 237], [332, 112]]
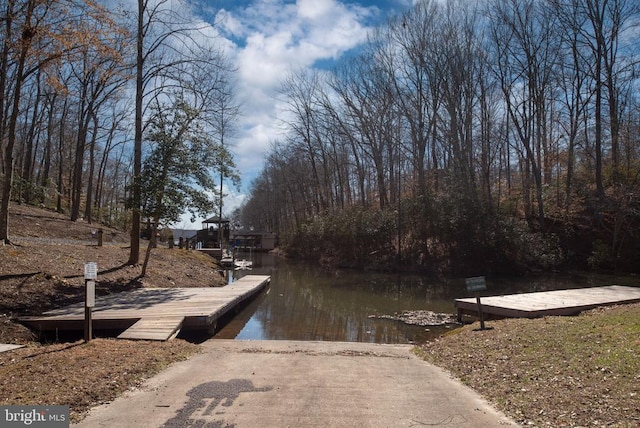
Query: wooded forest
[[492, 134], [481, 136], [84, 90]]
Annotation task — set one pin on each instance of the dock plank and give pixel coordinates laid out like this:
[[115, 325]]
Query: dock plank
[[4, 347], [156, 313], [548, 303], [161, 328]]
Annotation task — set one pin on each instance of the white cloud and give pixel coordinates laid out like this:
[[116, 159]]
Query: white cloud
[[271, 38], [266, 58], [232, 200], [229, 24]]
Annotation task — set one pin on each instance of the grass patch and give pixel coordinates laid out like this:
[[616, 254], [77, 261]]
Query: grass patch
[[554, 371], [83, 374]]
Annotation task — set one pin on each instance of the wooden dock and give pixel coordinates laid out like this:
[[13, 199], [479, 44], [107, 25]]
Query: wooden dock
[[548, 303], [154, 313]]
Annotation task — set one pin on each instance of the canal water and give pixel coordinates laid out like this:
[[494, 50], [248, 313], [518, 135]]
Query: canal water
[[307, 302]]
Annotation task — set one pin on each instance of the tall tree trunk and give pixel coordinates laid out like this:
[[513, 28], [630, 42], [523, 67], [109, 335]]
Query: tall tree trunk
[[60, 188], [598, 139], [614, 123], [88, 209], [4, 70], [24, 45], [78, 168], [134, 252], [46, 157], [27, 161]]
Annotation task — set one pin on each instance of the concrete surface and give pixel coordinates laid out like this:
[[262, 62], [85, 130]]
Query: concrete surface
[[299, 384], [6, 347]]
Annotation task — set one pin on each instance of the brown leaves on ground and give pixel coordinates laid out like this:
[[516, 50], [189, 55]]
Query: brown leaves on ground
[[556, 371], [83, 375], [29, 221], [39, 276], [43, 269]]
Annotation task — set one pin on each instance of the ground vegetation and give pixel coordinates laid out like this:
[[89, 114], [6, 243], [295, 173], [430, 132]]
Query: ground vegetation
[[552, 372], [44, 269]]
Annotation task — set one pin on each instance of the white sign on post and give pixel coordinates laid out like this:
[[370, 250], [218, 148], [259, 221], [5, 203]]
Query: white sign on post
[[90, 275], [91, 270], [477, 284], [91, 294]]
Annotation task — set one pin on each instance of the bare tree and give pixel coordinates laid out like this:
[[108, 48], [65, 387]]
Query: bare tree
[[526, 57], [302, 93], [417, 84], [574, 80], [446, 107], [166, 38], [369, 115], [458, 63], [606, 22], [37, 35], [99, 74]]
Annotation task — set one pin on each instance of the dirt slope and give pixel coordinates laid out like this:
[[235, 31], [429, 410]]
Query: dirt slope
[[43, 267]]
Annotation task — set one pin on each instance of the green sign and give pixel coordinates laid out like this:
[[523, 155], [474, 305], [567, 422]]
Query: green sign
[[477, 283]]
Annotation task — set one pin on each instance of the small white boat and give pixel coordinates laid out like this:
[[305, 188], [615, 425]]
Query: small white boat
[[243, 264]]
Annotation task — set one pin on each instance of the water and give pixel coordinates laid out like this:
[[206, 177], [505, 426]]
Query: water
[[305, 302]]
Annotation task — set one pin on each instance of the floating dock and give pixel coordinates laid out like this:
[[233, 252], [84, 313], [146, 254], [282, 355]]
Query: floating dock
[[548, 303], [154, 313]]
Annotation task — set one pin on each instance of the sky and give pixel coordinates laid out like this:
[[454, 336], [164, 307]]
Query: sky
[[266, 39]]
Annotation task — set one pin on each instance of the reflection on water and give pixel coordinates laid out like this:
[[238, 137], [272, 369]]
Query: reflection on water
[[307, 302]]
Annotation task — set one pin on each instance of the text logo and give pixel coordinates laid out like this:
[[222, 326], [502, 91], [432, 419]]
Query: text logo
[[34, 416]]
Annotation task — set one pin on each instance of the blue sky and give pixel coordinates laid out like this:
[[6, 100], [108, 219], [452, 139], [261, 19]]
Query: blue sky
[[265, 39]]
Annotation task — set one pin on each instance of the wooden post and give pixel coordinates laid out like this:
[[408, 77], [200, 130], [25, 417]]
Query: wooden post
[[480, 311], [100, 233], [477, 284], [88, 324]]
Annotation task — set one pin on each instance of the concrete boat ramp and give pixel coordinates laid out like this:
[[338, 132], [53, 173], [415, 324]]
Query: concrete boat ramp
[[549, 303], [154, 313], [281, 383]]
